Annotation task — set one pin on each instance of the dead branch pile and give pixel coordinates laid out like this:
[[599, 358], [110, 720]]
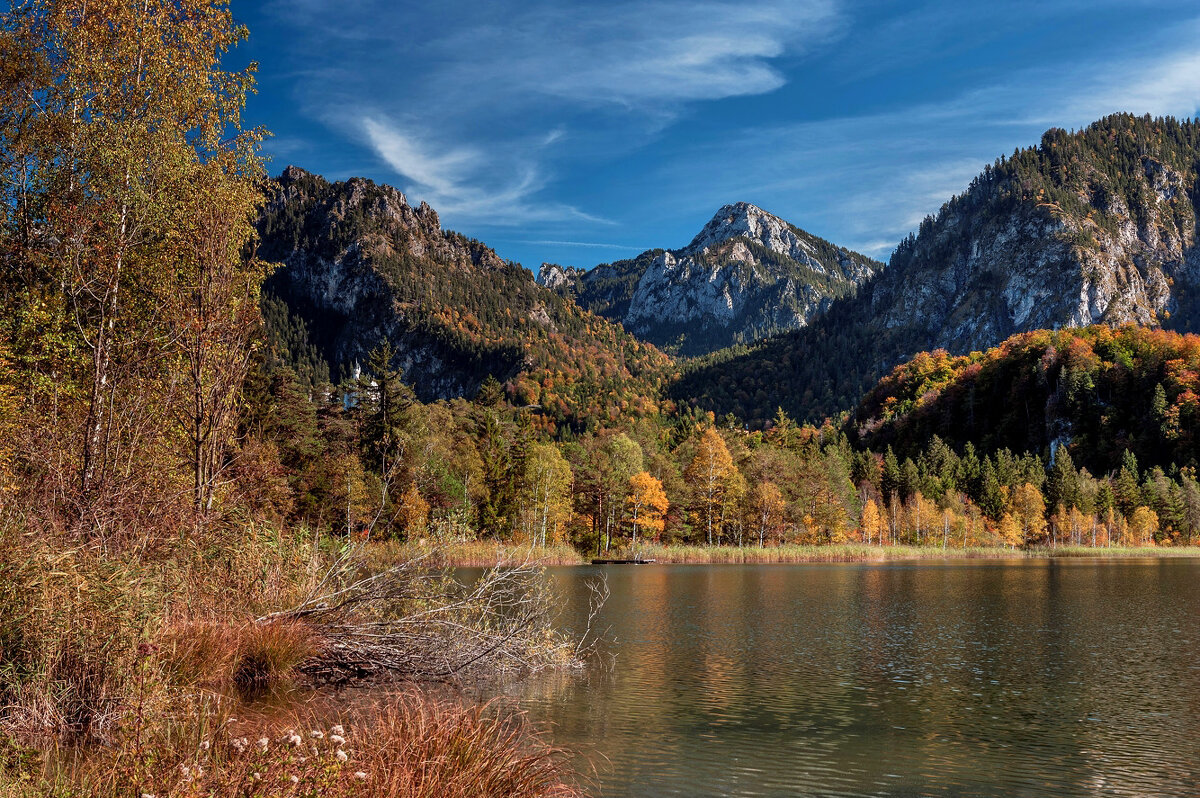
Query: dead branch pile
[[417, 621]]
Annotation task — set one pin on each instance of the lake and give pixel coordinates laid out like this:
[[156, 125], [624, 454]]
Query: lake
[[964, 678]]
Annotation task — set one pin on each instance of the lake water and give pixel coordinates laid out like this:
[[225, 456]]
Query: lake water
[[1022, 678]]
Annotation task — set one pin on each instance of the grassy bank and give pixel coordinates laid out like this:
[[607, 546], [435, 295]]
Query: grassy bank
[[404, 745], [184, 666], [856, 552]]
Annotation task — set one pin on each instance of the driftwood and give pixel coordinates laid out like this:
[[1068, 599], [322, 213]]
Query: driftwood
[[415, 620]]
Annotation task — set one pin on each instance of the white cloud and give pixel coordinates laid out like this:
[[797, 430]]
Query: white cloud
[[462, 181], [589, 244], [638, 55]]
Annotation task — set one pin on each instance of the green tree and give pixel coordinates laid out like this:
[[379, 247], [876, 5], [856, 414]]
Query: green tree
[[125, 134]]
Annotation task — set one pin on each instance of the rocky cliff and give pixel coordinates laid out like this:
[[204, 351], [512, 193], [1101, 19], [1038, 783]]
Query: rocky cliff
[[1096, 227], [745, 276]]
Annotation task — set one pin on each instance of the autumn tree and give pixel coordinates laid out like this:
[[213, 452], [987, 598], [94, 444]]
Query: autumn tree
[[1028, 509], [548, 482], [213, 312], [132, 179], [708, 474], [767, 509], [1143, 523], [647, 505], [871, 523]]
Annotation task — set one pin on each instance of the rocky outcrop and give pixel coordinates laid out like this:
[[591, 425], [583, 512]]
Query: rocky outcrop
[[1100, 248], [347, 252], [746, 275]]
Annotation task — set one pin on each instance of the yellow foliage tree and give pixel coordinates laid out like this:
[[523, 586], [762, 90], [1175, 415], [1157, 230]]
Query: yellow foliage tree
[[709, 474], [1143, 523], [871, 523], [647, 505], [766, 509], [413, 513], [1028, 509], [1009, 530], [548, 481]]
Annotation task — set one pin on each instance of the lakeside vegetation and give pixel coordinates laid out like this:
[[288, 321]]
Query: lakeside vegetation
[[858, 552], [153, 601]]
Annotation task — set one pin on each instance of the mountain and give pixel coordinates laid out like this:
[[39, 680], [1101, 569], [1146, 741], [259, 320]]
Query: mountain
[[358, 265], [745, 276], [1099, 391], [1092, 227]]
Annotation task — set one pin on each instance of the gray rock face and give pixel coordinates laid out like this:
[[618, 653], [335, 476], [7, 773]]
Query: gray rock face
[[746, 275], [971, 280]]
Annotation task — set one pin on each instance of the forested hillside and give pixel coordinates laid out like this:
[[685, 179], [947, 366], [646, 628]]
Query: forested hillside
[[1096, 226], [1095, 392], [359, 265]]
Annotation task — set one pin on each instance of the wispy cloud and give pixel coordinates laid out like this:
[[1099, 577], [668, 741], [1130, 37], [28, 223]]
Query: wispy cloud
[[589, 244], [462, 181], [605, 77]]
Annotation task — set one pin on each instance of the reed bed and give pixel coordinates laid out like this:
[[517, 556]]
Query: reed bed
[[120, 667], [858, 552]]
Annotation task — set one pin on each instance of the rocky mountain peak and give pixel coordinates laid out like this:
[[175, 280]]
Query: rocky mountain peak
[[293, 174], [746, 275], [745, 220]]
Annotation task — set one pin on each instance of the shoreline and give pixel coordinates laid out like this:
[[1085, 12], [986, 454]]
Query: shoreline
[[484, 555]]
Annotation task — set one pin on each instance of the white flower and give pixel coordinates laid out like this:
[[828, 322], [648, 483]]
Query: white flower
[[295, 779], [263, 743], [342, 756], [360, 775], [337, 739], [256, 776], [147, 795], [316, 734], [338, 730], [296, 740], [205, 745]]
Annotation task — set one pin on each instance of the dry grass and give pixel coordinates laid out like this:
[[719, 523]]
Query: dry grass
[[404, 746], [253, 657], [792, 553], [1116, 551], [119, 667]]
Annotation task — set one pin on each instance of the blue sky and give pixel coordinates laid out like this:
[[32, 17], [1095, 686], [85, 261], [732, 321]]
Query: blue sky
[[582, 133]]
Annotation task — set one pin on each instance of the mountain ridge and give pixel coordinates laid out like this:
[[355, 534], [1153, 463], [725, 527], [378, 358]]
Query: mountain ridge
[[1095, 226], [359, 265], [745, 275]]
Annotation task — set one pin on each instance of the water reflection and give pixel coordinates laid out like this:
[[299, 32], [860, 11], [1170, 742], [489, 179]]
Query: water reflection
[[964, 679]]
